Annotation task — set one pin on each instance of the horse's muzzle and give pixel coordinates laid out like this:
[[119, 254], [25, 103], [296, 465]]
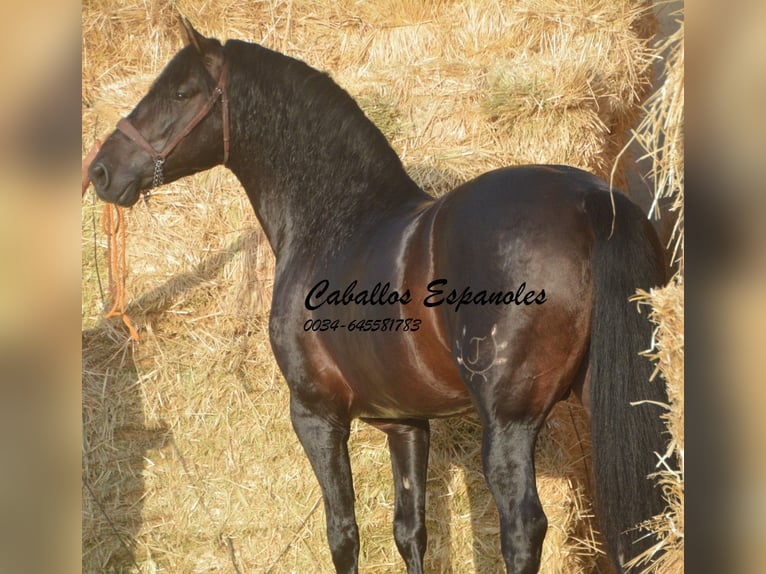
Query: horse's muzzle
[[125, 196]]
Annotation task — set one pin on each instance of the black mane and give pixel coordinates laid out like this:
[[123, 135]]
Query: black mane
[[305, 139]]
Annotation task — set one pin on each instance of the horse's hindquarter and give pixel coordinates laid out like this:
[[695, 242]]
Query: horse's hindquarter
[[520, 235]]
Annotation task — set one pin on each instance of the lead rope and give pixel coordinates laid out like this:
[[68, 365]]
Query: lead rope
[[118, 268], [116, 249]]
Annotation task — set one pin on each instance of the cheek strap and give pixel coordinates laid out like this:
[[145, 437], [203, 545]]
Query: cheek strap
[[127, 128]]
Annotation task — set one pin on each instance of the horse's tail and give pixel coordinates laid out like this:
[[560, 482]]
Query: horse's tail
[[625, 436]]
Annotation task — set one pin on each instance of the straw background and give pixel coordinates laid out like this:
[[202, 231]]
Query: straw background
[[190, 463]]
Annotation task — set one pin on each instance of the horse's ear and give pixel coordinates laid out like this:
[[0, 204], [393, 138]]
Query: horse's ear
[[208, 48], [190, 35]]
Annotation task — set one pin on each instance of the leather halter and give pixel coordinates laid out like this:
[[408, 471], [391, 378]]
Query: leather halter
[[159, 157]]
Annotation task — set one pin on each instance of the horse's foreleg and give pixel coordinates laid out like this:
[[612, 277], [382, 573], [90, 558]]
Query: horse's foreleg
[[408, 442], [324, 438], [508, 457]]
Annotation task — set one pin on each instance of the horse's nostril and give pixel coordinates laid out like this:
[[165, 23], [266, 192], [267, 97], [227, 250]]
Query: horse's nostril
[[99, 175]]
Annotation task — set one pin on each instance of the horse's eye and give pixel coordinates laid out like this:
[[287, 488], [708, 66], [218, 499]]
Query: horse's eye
[[181, 95]]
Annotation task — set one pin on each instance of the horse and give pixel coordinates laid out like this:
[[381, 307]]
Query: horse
[[391, 306]]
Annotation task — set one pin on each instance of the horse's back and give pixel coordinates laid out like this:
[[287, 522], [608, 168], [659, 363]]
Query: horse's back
[[521, 224], [520, 190]]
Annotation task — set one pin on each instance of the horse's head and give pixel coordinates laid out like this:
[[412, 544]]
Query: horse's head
[[180, 126]]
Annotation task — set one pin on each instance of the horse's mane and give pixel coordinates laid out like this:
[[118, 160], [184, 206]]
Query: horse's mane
[[305, 140], [324, 119]]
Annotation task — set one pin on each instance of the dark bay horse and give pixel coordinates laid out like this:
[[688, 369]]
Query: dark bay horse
[[502, 296]]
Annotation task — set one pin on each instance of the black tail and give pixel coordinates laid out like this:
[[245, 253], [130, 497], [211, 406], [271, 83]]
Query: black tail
[[626, 256]]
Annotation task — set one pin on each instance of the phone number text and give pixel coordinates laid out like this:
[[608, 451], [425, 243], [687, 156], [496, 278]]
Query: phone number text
[[363, 325]]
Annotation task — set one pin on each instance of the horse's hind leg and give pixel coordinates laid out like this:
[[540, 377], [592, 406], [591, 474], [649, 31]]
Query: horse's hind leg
[[514, 383], [325, 440], [408, 442], [508, 457]]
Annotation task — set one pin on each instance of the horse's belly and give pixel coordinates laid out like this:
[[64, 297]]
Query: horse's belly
[[392, 373], [411, 385]]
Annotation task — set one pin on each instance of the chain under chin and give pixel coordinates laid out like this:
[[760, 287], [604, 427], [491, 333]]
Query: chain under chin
[[159, 177]]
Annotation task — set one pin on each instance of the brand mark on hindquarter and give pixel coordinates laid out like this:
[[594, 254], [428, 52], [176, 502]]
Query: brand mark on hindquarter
[[478, 355]]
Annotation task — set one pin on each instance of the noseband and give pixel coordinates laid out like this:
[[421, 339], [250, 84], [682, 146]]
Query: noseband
[[159, 157]]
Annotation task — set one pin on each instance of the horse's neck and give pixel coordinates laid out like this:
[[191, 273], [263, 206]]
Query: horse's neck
[[317, 171]]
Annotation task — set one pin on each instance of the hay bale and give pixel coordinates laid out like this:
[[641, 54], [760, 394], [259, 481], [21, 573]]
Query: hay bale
[[667, 312], [661, 135], [188, 451]]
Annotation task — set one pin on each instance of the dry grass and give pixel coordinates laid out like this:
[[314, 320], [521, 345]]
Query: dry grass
[[661, 135], [186, 439], [667, 312]]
